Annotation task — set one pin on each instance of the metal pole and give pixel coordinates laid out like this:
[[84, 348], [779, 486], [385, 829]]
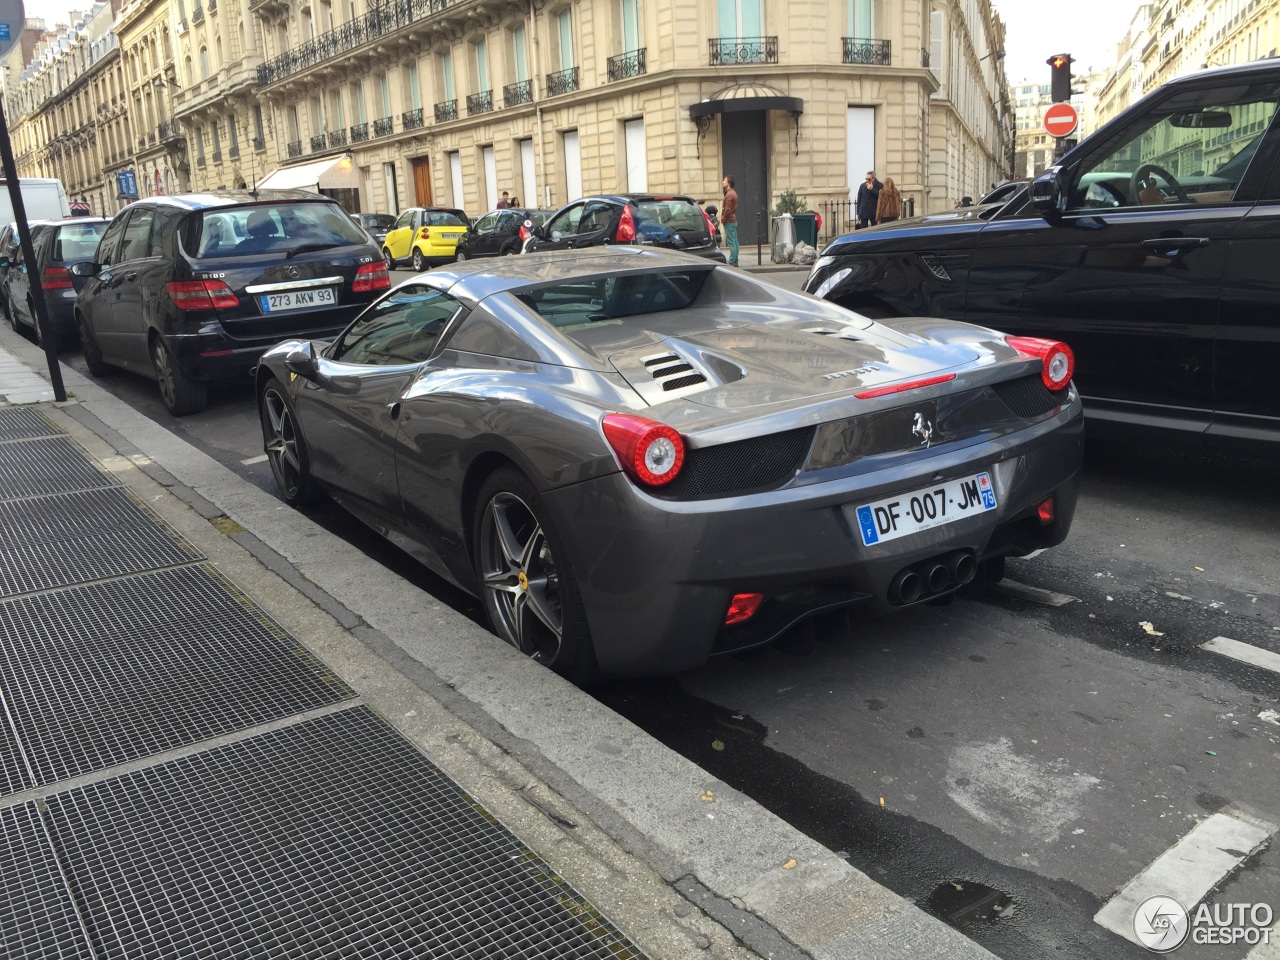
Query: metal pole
[[29, 258], [758, 236]]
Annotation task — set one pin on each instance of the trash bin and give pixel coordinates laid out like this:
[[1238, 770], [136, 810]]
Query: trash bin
[[806, 226], [784, 238]]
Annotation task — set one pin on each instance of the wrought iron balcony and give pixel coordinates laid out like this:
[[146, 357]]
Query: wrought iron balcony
[[217, 156], [234, 151], [151, 138], [727, 50], [318, 142], [379, 21], [514, 94], [168, 130], [197, 15], [200, 161], [259, 143], [861, 50], [382, 127], [411, 119], [481, 102], [295, 148], [360, 133], [446, 111], [630, 64], [566, 81], [338, 138]]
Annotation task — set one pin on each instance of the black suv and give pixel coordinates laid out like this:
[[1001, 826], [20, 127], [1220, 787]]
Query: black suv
[[1151, 249], [645, 219], [191, 289]]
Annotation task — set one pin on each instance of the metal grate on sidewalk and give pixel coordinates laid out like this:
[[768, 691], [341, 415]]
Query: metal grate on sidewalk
[[101, 674], [20, 423], [33, 468], [333, 837], [13, 772], [70, 538], [37, 917]]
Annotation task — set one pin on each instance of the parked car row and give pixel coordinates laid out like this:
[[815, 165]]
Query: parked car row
[[58, 245]]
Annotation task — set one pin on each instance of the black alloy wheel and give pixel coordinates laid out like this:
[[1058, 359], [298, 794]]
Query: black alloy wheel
[[527, 585], [180, 393], [419, 261], [462, 255], [285, 447], [89, 348]]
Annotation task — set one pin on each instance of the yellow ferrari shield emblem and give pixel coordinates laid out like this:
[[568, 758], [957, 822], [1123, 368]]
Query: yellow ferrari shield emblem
[[524, 580], [292, 376]]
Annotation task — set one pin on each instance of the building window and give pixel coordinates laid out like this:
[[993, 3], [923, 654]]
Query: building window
[[937, 23], [317, 116], [482, 66], [336, 113], [630, 13], [739, 18], [204, 62], [384, 91], [564, 38], [446, 75], [860, 20], [415, 89], [258, 133], [357, 98], [521, 54], [291, 121], [233, 134]]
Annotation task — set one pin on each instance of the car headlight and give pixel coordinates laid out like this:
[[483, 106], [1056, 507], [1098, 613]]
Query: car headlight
[[821, 263], [832, 282]]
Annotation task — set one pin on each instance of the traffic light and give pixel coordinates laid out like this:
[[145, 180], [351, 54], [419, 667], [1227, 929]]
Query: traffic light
[[1060, 77]]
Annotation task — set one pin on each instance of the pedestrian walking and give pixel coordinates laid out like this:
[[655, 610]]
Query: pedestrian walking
[[729, 218], [505, 202], [889, 206], [865, 203]]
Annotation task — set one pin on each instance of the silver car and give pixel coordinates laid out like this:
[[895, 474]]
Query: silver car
[[641, 459]]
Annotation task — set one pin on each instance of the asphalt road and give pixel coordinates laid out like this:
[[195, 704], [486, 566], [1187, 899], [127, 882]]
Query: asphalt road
[[1006, 763]]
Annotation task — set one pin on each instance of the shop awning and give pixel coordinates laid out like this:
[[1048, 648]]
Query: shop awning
[[333, 173], [741, 97]]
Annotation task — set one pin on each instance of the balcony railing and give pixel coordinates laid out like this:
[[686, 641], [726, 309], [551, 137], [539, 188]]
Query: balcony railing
[[217, 156], [295, 148], [860, 50], [168, 130], [381, 20], [566, 81], [259, 143], [318, 142], [726, 50], [360, 133], [514, 94], [151, 138], [234, 151], [446, 111], [630, 64], [411, 119], [481, 102], [382, 127], [338, 138], [200, 161], [197, 15]]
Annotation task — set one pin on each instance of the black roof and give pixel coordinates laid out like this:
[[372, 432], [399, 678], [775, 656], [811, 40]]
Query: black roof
[[624, 197]]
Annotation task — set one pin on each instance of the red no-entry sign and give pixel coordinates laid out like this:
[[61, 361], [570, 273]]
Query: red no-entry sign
[[1061, 120]]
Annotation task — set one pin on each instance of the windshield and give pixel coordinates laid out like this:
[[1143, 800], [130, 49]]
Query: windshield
[[592, 299], [670, 221], [269, 227], [78, 241], [377, 221], [441, 218]]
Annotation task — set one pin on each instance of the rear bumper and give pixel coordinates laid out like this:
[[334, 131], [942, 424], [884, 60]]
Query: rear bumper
[[657, 576]]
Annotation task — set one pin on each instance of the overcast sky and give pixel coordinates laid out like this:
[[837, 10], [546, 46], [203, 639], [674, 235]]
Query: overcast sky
[[1035, 31]]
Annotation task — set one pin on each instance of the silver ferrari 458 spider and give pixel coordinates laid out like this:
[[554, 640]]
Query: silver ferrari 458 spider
[[641, 459]]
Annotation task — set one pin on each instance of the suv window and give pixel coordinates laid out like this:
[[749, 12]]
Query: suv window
[[402, 329], [110, 242], [1192, 148], [596, 217], [486, 223], [406, 219], [77, 241], [663, 220], [137, 236], [611, 297]]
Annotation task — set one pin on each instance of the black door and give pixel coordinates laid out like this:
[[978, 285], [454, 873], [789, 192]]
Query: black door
[[743, 142], [96, 298]]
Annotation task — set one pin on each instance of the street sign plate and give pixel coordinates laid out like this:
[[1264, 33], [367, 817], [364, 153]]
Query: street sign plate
[[1061, 120], [12, 16]]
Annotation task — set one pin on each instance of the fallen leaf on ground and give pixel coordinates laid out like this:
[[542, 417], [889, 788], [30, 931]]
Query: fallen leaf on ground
[[717, 744], [708, 797], [1150, 628], [1201, 569], [789, 865]]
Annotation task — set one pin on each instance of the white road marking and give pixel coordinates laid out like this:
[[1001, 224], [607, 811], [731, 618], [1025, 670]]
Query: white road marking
[[1244, 652], [1035, 553], [1188, 870], [1015, 589], [253, 460]]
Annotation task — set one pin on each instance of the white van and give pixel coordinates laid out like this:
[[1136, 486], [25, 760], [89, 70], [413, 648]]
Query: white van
[[44, 199]]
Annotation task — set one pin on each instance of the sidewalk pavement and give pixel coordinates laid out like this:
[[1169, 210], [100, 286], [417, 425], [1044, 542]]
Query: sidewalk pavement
[[651, 855]]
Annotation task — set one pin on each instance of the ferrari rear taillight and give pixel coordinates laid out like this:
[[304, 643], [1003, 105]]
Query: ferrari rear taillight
[[371, 276], [1058, 362], [56, 278], [626, 227], [201, 294], [650, 452], [743, 606]]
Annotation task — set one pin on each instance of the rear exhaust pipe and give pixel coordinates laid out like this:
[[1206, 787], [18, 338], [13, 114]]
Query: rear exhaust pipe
[[937, 577], [905, 587], [963, 567]]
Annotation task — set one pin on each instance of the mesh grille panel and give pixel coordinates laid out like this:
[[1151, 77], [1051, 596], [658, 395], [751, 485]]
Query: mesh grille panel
[[37, 917], [76, 537], [32, 468], [101, 674], [19, 423], [1028, 397], [760, 463], [334, 837], [13, 773]]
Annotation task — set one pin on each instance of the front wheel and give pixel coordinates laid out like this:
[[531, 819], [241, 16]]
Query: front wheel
[[284, 446], [419, 261], [526, 581], [180, 393], [462, 255]]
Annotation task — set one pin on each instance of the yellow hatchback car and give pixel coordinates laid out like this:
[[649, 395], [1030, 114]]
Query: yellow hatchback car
[[425, 235]]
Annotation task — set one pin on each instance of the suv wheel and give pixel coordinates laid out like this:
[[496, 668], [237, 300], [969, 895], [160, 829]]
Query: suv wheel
[[89, 347], [419, 261], [180, 393]]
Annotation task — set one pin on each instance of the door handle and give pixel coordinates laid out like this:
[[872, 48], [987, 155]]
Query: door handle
[[130, 277], [1175, 243], [394, 410]]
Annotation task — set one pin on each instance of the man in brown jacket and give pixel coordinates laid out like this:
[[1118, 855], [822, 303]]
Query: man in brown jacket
[[729, 218]]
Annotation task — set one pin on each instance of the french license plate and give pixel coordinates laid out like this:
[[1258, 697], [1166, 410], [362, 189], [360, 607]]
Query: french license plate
[[297, 299], [923, 509]]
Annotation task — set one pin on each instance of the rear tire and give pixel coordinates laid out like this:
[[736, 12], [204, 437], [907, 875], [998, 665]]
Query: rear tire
[[180, 393], [285, 446], [419, 261], [35, 324], [89, 348], [388, 259], [526, 582]]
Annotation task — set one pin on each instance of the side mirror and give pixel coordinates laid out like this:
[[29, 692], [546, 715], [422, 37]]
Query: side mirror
[[86, 269], [302, 361], [539, 232], [1049, 191]]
